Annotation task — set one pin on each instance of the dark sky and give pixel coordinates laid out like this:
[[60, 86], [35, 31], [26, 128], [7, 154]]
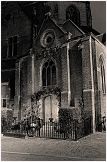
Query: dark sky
[[98, 11]]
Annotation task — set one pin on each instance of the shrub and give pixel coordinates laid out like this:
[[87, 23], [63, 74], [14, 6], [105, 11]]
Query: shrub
[[6, 119]]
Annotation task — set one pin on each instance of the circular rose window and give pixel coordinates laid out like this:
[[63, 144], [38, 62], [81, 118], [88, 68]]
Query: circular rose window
[[47, 38]]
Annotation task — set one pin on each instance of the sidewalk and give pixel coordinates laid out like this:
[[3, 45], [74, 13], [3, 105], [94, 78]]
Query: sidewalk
[[92, 147]]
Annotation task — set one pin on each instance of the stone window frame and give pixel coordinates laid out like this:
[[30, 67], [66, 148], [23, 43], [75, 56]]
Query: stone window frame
[[46, 34], [102, 73], [41, 68], [12, 44]]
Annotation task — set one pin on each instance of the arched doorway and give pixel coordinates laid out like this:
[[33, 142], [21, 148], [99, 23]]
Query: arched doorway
[[50, 108], [46, 103]]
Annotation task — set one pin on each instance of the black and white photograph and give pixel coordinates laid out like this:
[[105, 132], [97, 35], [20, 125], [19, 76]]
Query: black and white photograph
[[53, 80]]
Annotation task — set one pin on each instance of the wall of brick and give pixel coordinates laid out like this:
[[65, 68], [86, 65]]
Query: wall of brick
[[88, 81], [101, 54], [37, 64], [26, 84], [17, 90], [64, 78], [23, 86], [97, 95], [76, 75], [64, 69]]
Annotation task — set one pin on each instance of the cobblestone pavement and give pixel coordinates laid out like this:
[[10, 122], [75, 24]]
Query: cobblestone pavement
[[92, 147]]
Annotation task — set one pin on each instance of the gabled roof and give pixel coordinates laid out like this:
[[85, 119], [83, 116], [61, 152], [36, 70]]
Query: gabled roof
[[94, 37], [102, 38], [48, 18], [70, 21], [61, 29]]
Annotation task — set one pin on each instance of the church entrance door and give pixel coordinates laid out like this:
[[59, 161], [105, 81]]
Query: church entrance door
[[51, 108]]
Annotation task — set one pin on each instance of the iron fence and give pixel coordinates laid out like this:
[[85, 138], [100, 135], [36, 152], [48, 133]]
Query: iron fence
[[72, 130]]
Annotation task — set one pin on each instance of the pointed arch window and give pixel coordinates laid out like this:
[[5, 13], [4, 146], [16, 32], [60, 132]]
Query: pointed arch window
[[103, 78], [73, 14], [49, 74]]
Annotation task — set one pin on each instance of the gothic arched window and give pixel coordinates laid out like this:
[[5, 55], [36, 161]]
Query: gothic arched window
[[73, 14], [49, 74], [103, 78], [102, 74]]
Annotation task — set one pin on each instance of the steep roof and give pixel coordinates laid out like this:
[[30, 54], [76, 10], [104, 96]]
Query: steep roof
[[72, 23]]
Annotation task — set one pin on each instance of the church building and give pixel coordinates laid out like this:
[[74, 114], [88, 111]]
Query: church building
[[51, 59]]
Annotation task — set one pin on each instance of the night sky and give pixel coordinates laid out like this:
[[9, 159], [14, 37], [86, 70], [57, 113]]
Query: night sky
[[98, 11]]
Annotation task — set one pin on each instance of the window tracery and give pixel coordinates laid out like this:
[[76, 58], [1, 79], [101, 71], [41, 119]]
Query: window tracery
[[49, 74]]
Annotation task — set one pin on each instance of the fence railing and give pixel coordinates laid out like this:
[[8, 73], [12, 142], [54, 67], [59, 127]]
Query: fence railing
[[57, 130], [72, 130]]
